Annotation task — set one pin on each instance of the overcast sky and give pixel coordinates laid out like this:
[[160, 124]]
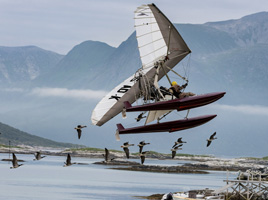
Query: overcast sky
[[59, 25]]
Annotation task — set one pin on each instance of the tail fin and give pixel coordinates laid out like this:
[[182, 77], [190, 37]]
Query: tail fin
[[124, 114], [120, 127], [117, 137], [127, 104]]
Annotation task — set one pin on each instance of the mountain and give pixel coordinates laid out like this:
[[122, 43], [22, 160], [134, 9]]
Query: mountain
[[17, 137], [24, 64], [205, 40], [90, 64], [79, 68], [123, 63], [247, 31]]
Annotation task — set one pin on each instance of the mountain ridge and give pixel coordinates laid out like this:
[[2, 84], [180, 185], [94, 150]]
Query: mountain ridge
[[18, 137], [80, 60], [248, 30], [21, 65]]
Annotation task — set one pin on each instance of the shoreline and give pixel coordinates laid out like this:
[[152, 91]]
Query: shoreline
[[197, 164]]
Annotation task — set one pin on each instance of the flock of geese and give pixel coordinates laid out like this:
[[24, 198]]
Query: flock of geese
[[15, 164], [177, 146], [142, 154], [140, 145]]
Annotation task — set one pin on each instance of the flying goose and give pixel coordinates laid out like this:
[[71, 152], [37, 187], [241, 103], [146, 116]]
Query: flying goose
[[179, 141], [15, 162], [142, 156], [211, 139], [68, 161], [38, 156], [174, 150], [106, 155], [141, 144], [125, 148], [140, 116], [79, 131]]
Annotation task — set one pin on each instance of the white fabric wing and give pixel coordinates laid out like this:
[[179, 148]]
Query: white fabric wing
[[151, 43], [113, 103]]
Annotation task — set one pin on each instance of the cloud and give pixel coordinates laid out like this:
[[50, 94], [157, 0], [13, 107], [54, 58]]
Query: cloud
[[12, 90], [98, 94], [246, 109], [68, 93]]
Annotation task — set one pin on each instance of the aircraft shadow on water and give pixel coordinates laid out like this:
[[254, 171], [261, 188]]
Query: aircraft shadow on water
[[161, 48]]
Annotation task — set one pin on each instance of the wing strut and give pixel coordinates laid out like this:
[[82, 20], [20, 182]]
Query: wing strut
[[168, 39], [166, 73]]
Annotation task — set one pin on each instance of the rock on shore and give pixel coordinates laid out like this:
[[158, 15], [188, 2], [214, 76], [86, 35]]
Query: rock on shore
[[163, 169]]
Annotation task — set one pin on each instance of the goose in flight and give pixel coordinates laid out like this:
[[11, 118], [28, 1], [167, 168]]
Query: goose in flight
[[38, 156], [79, 130], [142, 156], [174, 150], [68, 161], [141, 144], [15, 162], [179, 141], [140, 116], [106, 155], [212, 137], [126, 149]]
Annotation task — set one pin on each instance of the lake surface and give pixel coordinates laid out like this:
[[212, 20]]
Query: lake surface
[[48, 179]]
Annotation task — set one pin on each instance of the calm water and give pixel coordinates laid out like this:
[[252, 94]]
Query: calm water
[[48, 179]]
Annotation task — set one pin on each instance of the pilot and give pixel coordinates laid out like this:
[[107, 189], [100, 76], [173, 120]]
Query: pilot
[[175, 89]]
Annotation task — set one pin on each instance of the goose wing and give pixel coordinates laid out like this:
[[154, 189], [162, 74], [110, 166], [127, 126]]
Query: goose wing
[[142, 159], [126, 151], [212, 136], [14, 160], [173, 154], [106, 154], [79, 131], [68, 160]]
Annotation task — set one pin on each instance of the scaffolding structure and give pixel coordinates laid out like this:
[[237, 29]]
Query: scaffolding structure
[[249, 185]]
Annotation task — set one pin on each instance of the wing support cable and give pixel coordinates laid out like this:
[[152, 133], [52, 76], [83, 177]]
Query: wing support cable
[[156, 82], [160, 118], [177, 73]]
